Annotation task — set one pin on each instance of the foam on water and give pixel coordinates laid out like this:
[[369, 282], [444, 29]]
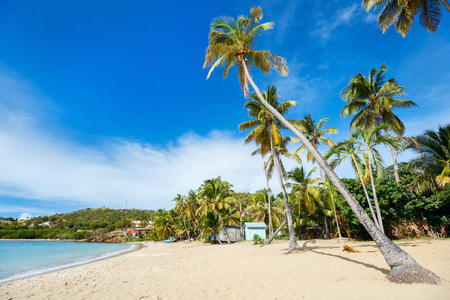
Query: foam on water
[[22, 259]]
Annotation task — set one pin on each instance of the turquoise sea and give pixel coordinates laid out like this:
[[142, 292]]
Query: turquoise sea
[[20, 259]]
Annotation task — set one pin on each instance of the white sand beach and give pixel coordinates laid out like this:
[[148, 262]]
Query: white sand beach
[[241, 271]]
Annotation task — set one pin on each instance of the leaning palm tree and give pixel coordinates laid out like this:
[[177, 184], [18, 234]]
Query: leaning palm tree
[[231, 44], [372, 100], [267, 134], [402, 13], [348, 149], [433, 164], [315, 134]]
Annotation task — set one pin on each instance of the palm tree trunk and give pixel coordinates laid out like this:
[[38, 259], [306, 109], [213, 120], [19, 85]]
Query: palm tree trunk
[[293, 246], [240, 217], [269, 205], [278, 229], [185, 228], [335, 215], [446, 4], [224, 228], [404, 269], [325, 222], [367, 195], [375, 198], [394, 156]]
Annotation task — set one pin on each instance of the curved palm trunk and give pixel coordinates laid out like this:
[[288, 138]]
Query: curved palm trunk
[[335, 216], [293, 246], [404, 269], [269, 205], [278, 229], [446, 4], [375, 198], [367, 195]]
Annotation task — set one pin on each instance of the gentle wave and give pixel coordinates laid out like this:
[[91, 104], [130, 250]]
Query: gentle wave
[[53, 268]]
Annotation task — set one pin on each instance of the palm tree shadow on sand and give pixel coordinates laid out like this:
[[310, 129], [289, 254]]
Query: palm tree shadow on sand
[[305, 248]]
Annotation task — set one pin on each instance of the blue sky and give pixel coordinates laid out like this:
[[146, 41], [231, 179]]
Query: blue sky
[[105, 103]]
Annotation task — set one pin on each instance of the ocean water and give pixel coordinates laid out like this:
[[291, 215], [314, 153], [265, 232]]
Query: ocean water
[[20, 259]]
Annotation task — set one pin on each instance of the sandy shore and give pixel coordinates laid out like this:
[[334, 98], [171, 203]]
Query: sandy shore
[[241, 271]]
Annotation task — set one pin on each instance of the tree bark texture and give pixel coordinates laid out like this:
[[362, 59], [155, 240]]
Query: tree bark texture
[[293, 246]]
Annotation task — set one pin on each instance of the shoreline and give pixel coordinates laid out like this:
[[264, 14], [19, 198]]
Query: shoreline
[[68, 265], [242, 271]]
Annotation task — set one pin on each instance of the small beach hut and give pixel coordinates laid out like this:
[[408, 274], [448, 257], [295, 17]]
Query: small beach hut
[[233, 231], [252, 228]]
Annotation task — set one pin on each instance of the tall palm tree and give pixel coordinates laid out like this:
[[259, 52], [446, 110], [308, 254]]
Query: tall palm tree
[[348, 149], [180, 208], [433, 164], [332, 194], [210, 224], [369, 140], [226, 44], [267, 134], [259, 209], [303, 188], [315, 134], [217, 197], [307, 194], [372, 100], [402, 13], [163, 223]]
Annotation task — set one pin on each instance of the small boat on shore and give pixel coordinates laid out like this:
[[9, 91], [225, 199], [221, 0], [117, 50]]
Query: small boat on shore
[[171, 240]]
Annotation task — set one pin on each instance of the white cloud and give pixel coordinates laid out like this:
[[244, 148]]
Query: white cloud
[[325, 27], [25, 216], [35, 165], [371, 18]]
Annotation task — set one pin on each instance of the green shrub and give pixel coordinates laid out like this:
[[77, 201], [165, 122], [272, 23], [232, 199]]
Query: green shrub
[[257, 240]]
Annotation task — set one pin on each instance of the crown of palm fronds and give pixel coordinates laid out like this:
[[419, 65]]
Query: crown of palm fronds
[[231, 42], [372, 99], [402, 13], [433, 164], [314, 133]]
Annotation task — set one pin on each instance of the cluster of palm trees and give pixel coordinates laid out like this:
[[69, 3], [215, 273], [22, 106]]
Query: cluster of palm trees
[[371, 100]]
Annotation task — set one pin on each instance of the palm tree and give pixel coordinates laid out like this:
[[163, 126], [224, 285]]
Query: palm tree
[[315, 134], [231, 44], [433, 164], [163, 223], [306, 193], [402, 13], [179, 208], [210, 224], [259, 209], [368, 140], [348, 149], [217, 197], [267, 135], [372, 100], [332, 194], [303, 188]]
